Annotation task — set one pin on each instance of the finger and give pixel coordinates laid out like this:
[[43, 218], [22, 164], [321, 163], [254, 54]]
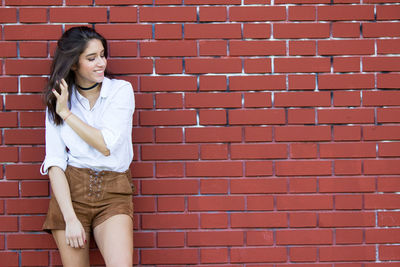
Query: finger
[[63, 85], [80, 242], [75, 243], [56, 94]]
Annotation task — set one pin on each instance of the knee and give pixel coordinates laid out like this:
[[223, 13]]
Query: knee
[[120, 262]]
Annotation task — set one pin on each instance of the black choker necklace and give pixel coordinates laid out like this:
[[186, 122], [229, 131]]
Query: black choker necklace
[[87, 88]]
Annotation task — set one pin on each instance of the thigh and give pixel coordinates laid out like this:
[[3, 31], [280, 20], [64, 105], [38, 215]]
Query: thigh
[[114, 238], [71, 257]]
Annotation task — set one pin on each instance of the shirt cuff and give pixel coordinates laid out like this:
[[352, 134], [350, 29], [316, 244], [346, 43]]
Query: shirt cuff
[[109, 138], [47, 163]]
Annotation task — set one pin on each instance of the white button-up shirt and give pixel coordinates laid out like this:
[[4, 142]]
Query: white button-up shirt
[[111, 114]]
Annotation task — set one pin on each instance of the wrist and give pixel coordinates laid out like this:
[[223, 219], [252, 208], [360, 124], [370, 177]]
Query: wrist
[[65, 114]]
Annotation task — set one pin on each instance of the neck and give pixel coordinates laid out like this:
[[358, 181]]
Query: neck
[[88, 88]]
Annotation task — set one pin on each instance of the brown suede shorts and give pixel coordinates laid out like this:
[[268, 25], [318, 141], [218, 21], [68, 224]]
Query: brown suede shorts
[[96, 196]]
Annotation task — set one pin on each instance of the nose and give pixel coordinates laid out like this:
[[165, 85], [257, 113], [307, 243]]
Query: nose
[[101, 61]]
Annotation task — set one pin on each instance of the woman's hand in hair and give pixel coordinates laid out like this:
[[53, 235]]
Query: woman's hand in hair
[[62, 99]]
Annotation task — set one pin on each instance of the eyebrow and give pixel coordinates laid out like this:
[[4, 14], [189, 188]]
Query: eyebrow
[[93, 54]]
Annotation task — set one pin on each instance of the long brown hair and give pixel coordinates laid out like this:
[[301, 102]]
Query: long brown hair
[[69, 47]]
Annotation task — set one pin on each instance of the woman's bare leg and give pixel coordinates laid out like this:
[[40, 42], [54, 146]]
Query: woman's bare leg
[[114, 238], [71, 257]]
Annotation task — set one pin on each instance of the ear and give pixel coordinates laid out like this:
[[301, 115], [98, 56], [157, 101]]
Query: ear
[[74, 67]]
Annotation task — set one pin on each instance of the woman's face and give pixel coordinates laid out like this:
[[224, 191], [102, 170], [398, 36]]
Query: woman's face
[[92, 64]]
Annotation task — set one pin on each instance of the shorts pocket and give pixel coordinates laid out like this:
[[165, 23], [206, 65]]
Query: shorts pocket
[[120, 185]]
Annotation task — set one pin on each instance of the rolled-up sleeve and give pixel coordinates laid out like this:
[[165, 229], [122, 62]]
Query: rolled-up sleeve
[[56, 154], [117, 120]]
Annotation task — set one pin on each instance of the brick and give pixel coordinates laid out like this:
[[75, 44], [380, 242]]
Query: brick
[[388, 46], [257, 65], [259, 238], [167, 31], [346, 12], [37, 3], [303, 151], [258, 186], [24, 206], [172, 117], [303, 219], [33, 15], [302, 133], [213, 83], [174, 256], [78, 2], [144, 240], [157, 14], [124, 31], [27, 66], [168, 66], [302, 99], [338, 116], [8, 15], [256, 117], [347, 253], [301, 116], [258, 219], [30, 241], [213, 31], [213, 100], [24, 102], [346, 81], [347, 219], [381, 29], [214, 220], [214, 169], [169, 169], [212, 2], [8, 154], [302, 13], [389, 252], [9, 189], [300, 30], [258, 151], [387, 12], [123, 14], [212, 117], [301, 82], [346, 47], [169, 221], [9, 258], [257, 82], [168, 48], [78, 14], [168, 83], [381, 63], [213, 134], [169, 100], [303, 48], [346, 29], [213, 65], [33, 49], [144, 204], [123, 2], [257, 134], [285, 65], [304, 202], [303, 254], [388, 218], [349, 236], [258, 168], [211, 255], [381, 201], [381, 236], [256, 48], [23, 172], [169, 135], [123, 49], [8, 223], [143, 135], [381, 98], [381, 166], [34, 188], [130, 66], [33, 84], [256, 30], [264, 255], [260, 203], [345, 98], [388, 184], [347, 185], [217, 13], [257, 100], [259, 13], [8, 49], [169, 186], [170, 239], [35, 258], [348, 150], [302, 185], [214, 186], [21, 136], [347, 167], [170, 204], [304, 237], [215, 238], [213, 48], [347, 133]]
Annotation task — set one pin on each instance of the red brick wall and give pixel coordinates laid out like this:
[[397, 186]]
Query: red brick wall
[[266, 131]]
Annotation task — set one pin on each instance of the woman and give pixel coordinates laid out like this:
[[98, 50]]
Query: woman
[[88, 152]]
